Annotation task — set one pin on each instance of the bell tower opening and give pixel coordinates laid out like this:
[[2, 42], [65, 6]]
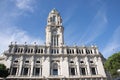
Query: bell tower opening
[[54, 29]]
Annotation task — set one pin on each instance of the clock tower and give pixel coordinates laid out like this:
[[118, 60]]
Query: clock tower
[[54, 29]]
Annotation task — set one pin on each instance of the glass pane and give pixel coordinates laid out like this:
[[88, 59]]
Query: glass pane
[[83, 71], [25, 71], [14, 71], [54, 19], [55, 71], [37, 71], [72, 71], [93, 71]]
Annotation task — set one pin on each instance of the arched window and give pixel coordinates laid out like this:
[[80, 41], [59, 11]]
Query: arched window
[[25, 50], [18, 50], [41, 50], [21, 50], [73, 51], [38, 50], [54, 19], [28, 50], [67, 51], [82, 51], [91, 51], [77, 51], [57, 51], [87, 51], [31, 50], [51, 51], [54, 69], [70, 51]]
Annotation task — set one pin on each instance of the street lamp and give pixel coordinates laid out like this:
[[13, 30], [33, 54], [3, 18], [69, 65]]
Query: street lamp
[[118, 72]]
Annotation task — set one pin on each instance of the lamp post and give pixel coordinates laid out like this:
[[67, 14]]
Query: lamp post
[[63, 78]]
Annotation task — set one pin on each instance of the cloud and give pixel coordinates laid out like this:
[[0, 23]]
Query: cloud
[[9, 32], [14, 34], [96, 27], [26, 5], [114, 43], [69, 13]]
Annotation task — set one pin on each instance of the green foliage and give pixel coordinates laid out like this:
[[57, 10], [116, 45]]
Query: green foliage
[[113, 64], [4, 72], [2, 66]]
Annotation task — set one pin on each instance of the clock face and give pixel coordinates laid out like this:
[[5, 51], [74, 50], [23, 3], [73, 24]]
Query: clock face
[[55, 31]]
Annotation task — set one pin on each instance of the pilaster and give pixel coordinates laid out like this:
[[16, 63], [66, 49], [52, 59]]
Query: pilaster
[[88, 66], [32, 66], [20, 66]]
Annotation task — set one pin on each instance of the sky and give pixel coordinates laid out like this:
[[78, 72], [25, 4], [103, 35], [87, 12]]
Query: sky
[[86, 22]]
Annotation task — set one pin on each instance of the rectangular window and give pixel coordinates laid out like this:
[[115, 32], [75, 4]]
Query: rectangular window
[[55, 71], [57, 40], [54, 19], [25, 71], [72, 71], [57, 51], [14, 70], [37, 71], [83, 71], [52, 38], [93, 71], [51, 51]]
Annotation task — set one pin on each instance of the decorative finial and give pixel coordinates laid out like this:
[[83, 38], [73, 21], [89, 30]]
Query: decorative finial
[[11, 43], [25, 42], [54, 11], [15, 42], [92, 45], [34, 42], [74, 44]]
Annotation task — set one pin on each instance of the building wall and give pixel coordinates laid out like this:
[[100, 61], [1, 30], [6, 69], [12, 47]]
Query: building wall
[[64, 61], [54, 60]]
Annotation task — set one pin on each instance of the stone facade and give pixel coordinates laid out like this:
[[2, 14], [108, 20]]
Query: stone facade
[[54, 60]]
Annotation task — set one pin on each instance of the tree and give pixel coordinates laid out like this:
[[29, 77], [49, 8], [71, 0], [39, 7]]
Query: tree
[[4, 72], [112, 64]]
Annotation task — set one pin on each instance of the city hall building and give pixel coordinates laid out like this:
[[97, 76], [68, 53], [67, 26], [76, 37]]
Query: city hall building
[[54, 60]]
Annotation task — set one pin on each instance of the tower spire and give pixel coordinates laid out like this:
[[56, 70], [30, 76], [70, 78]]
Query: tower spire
[[54, 11], [54, 29], [54, 18]]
